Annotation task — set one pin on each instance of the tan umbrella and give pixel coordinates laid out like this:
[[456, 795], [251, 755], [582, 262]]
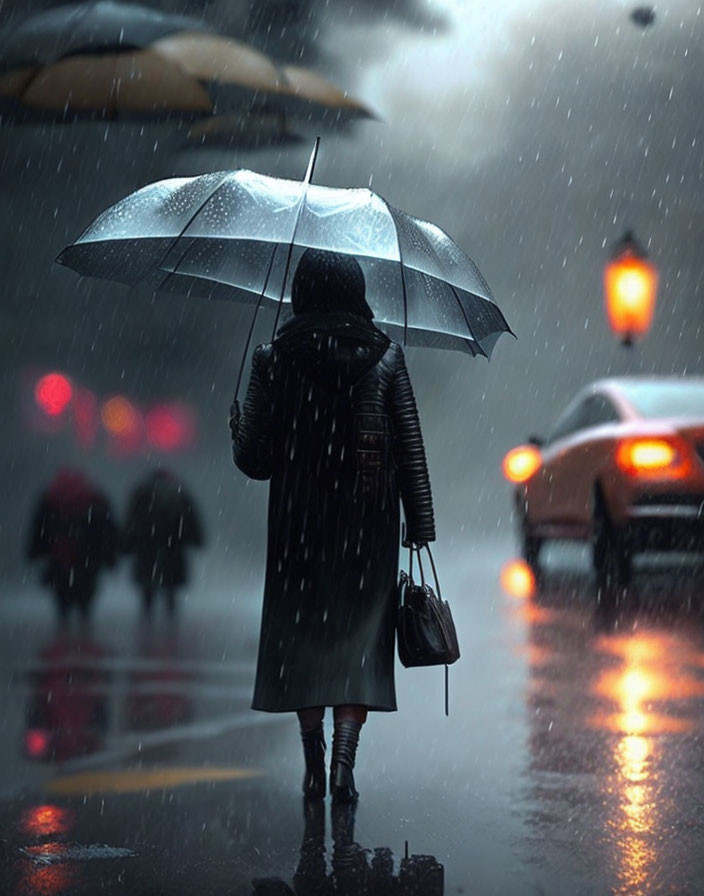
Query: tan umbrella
[[226, 62], [307, 85], [248, 130], [134, 82], [63, 61], [211, 58]]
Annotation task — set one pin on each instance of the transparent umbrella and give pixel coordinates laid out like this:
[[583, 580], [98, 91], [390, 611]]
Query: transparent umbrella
[[238, 235]]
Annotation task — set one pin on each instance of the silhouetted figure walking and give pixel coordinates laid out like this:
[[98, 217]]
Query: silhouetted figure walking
[[330, 418], [73, 529], [161, 523]]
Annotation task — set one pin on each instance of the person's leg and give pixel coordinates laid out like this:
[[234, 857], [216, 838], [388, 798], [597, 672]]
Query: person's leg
[[84, 600], [170, 595], [147, 599], [348, 719], [311, 721], [63, 605]]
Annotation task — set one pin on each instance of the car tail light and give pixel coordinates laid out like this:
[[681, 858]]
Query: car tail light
[[653, 458], [521, 463]]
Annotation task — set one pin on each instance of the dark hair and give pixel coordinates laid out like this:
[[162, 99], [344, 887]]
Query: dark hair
[[329, 281]]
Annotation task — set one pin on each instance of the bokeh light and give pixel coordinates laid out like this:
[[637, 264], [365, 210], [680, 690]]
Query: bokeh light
[[36, 743], [120, 417], [53, 393], [170, 427], [521, 463], [518, 579]]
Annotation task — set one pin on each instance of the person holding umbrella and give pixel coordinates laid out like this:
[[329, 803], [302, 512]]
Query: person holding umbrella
[[330, 418]]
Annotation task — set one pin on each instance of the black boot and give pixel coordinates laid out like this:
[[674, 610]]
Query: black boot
[[314, 755], [344, 748]]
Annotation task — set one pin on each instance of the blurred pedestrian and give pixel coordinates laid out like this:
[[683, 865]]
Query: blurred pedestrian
[[73, 530], [161, 523], [331, 419]]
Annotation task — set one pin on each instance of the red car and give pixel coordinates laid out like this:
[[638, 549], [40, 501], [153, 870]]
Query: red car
[[623, 469]]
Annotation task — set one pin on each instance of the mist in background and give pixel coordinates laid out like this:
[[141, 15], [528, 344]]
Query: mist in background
[[535, 133]]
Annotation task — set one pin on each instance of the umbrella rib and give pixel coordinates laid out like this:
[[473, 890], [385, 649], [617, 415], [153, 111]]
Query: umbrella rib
[[187, 225], [254, 320], [466, 320], [403, 272], [301, 204]]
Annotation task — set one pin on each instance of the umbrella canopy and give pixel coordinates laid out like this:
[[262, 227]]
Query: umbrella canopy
[[114, 58], [238, 235], [95, 57], [87, 27], [137, 82], [246, 130]]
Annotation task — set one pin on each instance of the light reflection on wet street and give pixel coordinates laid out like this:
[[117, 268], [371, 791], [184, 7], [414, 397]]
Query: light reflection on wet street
[[616, 712], [571, 760]]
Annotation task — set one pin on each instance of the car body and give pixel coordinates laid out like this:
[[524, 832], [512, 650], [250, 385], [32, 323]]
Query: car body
[[623, 468]]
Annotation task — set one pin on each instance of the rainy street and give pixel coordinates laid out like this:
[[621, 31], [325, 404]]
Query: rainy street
[[242, 243], [572, 751]]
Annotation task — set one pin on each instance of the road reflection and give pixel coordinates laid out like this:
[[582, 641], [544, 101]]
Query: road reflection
[[616, 710], [355, 871], [42, 829], [157, 696], [67, 711]]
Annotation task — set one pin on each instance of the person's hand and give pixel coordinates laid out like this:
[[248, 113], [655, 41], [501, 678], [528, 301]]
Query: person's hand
[[234, 421]]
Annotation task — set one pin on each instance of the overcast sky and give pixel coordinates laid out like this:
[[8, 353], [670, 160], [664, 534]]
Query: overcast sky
[[535, 133]]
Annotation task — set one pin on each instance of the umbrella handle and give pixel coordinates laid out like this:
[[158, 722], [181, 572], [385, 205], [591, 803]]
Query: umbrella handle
[[245, 351]]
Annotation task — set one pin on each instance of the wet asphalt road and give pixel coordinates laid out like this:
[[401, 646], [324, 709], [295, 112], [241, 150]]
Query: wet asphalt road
[[572, 761]]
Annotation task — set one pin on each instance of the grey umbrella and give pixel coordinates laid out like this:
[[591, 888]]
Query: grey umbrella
[[99, 26], [238, 235]]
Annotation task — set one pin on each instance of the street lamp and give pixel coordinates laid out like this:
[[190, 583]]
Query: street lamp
[[630, 285]]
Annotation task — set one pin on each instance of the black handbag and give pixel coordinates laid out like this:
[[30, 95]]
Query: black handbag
[[425, 629]]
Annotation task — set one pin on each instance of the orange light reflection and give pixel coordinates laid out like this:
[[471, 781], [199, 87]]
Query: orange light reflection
[[48, 880], [650, 671], [43, 821]]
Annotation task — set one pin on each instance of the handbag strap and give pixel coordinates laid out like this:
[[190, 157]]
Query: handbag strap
[[437, 588], [420, 565], [447, 690]]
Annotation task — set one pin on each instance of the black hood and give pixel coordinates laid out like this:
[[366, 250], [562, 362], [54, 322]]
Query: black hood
[[334, 348]]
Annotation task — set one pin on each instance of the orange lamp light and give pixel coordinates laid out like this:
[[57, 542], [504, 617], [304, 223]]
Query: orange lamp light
[[630, 288], [521, 463]]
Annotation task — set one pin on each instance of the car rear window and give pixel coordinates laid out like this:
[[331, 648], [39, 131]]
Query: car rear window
[[666, 399]]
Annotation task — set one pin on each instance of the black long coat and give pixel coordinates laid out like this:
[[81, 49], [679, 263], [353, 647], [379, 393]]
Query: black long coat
[[330, 418]]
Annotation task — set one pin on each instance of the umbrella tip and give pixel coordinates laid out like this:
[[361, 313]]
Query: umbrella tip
[[311, 163]]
